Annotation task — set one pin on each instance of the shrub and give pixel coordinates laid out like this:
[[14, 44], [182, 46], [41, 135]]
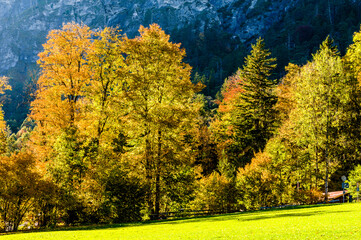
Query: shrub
[[216, 193], [21, 185], [256, 183], [124, 198], [311, 196], [354, 179]]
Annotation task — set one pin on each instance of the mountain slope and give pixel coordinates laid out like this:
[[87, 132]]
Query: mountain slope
[[216, 33], [25, 23]]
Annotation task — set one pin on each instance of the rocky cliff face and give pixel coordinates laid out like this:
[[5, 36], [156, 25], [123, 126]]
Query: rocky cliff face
[[25, 23]]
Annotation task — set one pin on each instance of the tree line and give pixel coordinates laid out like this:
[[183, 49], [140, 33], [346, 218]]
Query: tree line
[[119, 132]]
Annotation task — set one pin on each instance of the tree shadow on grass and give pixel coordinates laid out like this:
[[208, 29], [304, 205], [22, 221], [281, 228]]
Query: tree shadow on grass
[[240, 216], [284, 215], [255, 215], [71, 228]]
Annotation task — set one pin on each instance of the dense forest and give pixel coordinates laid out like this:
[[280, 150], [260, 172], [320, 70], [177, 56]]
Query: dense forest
[[120, 131], [216, 52]]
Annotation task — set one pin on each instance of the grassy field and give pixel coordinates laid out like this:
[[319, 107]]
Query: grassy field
[[312, 222]]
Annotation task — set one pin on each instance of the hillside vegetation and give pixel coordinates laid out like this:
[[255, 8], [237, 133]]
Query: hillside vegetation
[[118, 131]]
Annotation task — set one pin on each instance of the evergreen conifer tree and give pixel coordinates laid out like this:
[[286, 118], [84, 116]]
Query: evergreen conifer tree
[[255, 116]]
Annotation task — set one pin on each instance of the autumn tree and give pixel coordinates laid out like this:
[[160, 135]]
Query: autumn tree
[[257, 183], [3, 87], [96, 92], [352, 61], [64, 75], [353, 57], [200, 138], [314, 105], [321, 95], [158, 90], [289, 162], [354, 181], [103, 95], [216, 192], [58, 108], [21, 183]]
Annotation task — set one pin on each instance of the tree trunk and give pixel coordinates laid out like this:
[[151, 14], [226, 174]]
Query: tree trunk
[[157, 177], [148, 174], [316, 169], [329, 12], [326, 178]]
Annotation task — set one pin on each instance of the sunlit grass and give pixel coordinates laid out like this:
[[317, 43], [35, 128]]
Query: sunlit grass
[[314, 222]]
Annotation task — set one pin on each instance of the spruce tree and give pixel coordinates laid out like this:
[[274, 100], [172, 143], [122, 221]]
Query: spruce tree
[[255, 116]]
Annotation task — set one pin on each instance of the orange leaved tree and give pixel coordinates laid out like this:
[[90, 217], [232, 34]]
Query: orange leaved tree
[[59, 108], [65, 73]]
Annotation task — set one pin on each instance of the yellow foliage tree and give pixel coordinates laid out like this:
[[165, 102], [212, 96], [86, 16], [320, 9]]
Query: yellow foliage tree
[[98, 89], [159, 93], [255, 183], [4, 85], [103, 94], [22, 186]]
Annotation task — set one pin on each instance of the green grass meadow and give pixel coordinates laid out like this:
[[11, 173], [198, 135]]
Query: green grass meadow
[[337, 221]]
